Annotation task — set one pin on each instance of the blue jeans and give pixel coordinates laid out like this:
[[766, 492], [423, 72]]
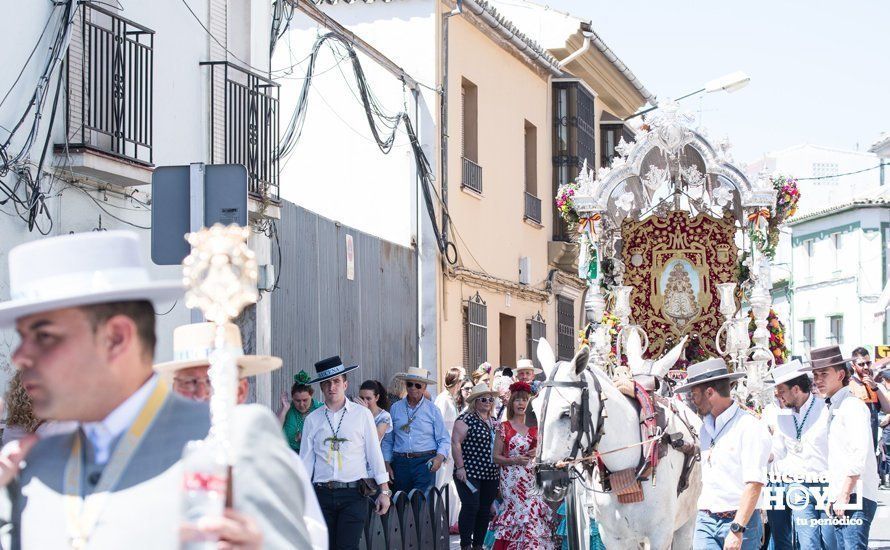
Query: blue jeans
[[811, 534], [855, 537], [412, 473], [781, 529], [711, 532]]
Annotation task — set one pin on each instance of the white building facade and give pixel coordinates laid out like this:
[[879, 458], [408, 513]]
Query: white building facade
[[133, 95], [831, 262]]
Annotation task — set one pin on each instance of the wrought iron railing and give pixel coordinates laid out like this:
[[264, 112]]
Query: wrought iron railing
[[414, 520], [244, 122], [532, 207], [471, 175], [110, 67]]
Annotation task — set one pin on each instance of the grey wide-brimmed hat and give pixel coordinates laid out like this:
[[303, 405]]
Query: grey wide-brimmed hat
[[829, 356], [707, 371]]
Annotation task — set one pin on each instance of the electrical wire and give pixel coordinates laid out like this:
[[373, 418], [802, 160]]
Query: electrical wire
[[840, 175]]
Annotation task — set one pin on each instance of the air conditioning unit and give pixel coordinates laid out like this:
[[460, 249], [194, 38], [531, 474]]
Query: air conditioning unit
[[525, 270]]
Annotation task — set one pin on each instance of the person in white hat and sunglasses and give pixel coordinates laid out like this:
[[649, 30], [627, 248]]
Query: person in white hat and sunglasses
[[84, 308], [735, 448], [799, 461], [188, 375], [419, 443]]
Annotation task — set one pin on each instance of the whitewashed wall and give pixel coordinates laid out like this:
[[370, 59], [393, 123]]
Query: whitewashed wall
[[180, 123], [844, 282], [337, 170]]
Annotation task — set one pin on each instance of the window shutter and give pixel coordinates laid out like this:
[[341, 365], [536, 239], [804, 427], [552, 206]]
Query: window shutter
[[565, 312], [477, 332], [537, 330]]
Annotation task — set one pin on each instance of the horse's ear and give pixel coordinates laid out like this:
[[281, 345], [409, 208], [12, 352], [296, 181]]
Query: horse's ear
[[546, 357], [663, 365], [581, 359], [634, 352]]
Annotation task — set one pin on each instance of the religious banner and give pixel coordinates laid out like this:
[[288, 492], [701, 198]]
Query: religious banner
[[675, 264]]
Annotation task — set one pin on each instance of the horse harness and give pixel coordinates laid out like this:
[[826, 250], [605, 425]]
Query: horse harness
[[583, 424]]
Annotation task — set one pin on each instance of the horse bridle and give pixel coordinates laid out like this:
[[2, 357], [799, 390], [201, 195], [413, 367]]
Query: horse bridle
[[582, 422]]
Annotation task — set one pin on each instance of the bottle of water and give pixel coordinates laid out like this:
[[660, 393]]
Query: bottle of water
[[205, 479]]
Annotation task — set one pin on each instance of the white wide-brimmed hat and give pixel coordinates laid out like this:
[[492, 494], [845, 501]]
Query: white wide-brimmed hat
[[79, 270], [527, 364], [479, 390], [193, 344], [785, 372], [707, 371], [416, 374]]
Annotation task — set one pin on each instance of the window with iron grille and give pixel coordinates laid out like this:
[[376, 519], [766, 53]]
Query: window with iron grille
[[244, 125], [574, 140], [836, 329], [565, 313], [475, 332], [535, 329], [808, 329], [110, 85]]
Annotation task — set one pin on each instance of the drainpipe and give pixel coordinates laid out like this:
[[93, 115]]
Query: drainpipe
[[579, 52], [443, 118]]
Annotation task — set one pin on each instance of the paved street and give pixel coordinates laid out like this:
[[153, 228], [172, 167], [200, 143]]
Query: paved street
[[880, 528]]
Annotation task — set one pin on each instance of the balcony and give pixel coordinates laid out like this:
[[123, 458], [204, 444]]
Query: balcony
[[471, 175], [532, 208], [109, 121], [244, 123]]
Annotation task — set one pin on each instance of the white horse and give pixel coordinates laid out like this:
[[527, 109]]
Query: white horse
[[612, 428]]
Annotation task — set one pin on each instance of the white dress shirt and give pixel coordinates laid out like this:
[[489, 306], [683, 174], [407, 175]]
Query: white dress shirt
[[359, 454], [851, 451], [102, 434], [809, 457], [738, 455]]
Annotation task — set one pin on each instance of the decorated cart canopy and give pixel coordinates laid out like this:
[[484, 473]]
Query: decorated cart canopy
[[676, 243]]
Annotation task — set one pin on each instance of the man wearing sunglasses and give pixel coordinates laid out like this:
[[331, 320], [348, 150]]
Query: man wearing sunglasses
[[419, 443], [864, 386]]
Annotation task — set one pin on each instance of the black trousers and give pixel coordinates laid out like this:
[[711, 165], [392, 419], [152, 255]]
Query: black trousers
[[346, 512], [475, 510]]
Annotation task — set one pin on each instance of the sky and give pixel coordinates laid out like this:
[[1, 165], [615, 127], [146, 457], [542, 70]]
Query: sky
[[820, 71]]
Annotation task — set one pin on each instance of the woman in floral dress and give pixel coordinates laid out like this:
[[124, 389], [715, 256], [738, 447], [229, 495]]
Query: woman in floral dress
[[525, 522]]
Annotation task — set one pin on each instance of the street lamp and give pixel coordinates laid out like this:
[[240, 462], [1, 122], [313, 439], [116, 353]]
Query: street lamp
[[730, 83]]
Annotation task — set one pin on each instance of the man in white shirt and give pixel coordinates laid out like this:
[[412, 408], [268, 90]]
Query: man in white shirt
[[84, 308], [735, 448], [852, 467], [799, 461], [340, 446]]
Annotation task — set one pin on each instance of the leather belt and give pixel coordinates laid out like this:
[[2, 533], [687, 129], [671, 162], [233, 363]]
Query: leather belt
[[337, 485], [721, 515], [421, 454]]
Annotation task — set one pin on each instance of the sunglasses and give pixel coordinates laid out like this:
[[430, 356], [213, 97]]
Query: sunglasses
[[485, 399], [416, 385], [864, 364]]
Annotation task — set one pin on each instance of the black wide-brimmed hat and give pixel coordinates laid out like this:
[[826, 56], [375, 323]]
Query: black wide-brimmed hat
[[329, 368], [829, 356], [707, 371]]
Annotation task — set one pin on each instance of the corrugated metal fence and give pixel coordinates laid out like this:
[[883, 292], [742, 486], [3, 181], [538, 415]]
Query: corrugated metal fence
[[318, 312]]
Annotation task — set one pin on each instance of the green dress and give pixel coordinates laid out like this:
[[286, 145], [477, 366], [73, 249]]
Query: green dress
[[293, 424]]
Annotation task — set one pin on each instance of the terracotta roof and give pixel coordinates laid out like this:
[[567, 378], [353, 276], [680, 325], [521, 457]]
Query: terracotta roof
[[863, 202], [499, 24]]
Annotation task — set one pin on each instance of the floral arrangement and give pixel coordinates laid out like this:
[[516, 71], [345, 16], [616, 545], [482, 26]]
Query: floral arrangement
[[776, 335], [565, 203], [787, 197]]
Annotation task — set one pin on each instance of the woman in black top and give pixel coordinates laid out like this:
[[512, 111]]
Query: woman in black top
[[476, 474]]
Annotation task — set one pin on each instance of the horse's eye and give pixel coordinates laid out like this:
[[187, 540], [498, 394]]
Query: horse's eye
[[565, 414]]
